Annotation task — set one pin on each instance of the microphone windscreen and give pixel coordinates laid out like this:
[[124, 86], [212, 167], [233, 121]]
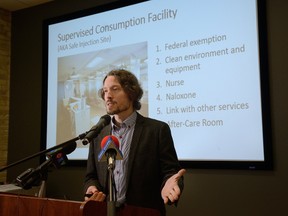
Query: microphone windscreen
[[107, 119], [68, 149], [106, 138]]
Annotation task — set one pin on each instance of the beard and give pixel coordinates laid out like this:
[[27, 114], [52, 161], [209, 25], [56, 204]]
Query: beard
[[113, 112], [117, 110]]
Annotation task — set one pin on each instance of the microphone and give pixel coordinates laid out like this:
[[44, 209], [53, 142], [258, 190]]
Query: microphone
[[66, 149], [110, 151], [96, 129], [59, 156], [69, 148], [29, 178]]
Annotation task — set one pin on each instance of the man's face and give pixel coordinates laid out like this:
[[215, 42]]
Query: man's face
[[116, 100]]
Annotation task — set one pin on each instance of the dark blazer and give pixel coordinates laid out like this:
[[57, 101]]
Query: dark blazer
[[152, 160]]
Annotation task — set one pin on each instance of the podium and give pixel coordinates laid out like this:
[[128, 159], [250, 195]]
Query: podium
[[95, 208], [21, 205], [14, 189]]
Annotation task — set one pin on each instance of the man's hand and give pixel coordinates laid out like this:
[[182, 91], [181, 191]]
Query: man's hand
[[90, 191], [171, 191], [97, 196]]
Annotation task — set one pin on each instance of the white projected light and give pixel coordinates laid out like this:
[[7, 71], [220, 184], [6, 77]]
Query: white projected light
[[198, 63]]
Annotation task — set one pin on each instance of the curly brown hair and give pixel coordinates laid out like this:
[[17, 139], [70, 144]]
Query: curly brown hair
[[129, 83]]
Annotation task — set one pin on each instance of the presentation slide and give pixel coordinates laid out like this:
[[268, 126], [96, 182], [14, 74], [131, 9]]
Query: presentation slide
[[197, 62]]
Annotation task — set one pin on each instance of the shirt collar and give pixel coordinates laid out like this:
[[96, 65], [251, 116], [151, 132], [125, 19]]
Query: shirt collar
[[128, 122]]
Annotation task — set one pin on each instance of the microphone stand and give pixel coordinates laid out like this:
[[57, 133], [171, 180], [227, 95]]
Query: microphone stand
[[32, 176], [65, 144], [111, 204]]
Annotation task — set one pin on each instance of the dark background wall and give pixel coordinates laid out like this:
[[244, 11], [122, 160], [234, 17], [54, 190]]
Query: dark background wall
[[207, 192]]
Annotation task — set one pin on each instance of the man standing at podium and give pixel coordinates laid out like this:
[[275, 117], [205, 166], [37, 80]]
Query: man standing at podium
[[149, 175]]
